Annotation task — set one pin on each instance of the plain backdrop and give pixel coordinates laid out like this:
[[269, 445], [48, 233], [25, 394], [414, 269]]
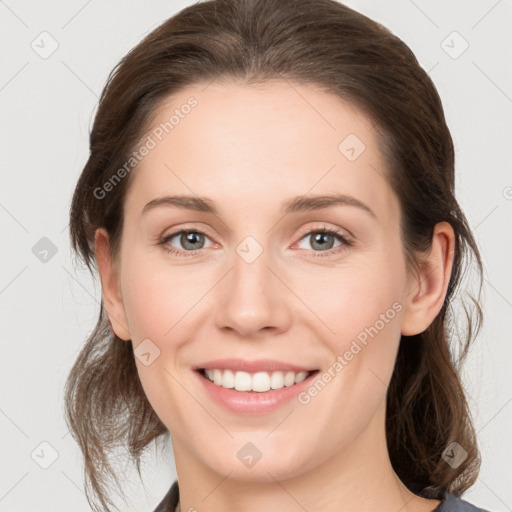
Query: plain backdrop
[[49, 306]]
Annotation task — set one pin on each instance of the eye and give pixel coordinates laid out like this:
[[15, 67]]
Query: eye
[[191, 240], [322, 241]]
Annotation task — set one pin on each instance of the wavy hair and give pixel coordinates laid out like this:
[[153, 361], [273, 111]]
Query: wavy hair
[[322, 43]]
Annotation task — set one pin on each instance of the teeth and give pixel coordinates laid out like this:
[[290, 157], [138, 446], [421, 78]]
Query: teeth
[[259, 381]]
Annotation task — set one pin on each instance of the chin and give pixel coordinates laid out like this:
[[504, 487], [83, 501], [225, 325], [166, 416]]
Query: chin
[[255, 463]]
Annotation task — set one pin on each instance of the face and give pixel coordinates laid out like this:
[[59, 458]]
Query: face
[[263, 273]]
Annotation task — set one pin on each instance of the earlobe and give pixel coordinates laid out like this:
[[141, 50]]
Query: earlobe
[[427, 291], [112, 298]]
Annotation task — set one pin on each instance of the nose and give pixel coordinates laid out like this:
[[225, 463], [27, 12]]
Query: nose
[[252, 299]]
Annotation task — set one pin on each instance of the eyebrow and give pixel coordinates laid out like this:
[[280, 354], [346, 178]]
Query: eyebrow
[[294, 205]]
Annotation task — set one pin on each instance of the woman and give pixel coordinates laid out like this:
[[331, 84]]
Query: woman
[[269, 201]]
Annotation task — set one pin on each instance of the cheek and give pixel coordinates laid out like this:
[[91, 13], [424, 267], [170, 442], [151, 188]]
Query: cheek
[[362, 309], [157, 298], [158, 302], [349, 299]]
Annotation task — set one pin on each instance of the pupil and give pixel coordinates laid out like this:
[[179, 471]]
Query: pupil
[[319, 237], [191, 238]]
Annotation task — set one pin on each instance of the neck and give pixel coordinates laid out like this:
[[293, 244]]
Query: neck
[[357, 477]]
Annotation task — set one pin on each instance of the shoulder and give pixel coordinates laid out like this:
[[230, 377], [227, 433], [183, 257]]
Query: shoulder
[[452, 503], [170, 500]]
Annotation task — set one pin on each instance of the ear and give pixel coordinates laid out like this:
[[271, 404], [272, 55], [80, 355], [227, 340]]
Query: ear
[[110, 285], [427, 290]]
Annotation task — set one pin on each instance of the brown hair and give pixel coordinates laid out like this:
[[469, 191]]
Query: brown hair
[[321, 43]]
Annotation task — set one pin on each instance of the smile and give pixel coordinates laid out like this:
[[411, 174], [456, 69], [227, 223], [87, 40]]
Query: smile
[[258, 382]]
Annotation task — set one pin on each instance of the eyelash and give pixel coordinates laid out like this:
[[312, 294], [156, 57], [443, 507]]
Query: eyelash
[[347, 242]]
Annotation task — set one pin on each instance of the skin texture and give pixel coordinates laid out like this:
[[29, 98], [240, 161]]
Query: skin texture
[[250, 148]]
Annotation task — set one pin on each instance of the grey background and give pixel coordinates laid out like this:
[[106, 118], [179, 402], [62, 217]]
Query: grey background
[[49, 306]]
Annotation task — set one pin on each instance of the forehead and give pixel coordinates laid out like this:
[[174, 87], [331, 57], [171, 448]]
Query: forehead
[[256, 145]]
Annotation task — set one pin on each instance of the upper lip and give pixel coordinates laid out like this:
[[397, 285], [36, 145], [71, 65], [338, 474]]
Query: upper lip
[[257, 365]]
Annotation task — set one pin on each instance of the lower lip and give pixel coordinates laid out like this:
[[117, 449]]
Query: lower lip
[[253, 402]]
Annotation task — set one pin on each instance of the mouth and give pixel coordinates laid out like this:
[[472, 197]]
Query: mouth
[[254, 382]]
